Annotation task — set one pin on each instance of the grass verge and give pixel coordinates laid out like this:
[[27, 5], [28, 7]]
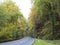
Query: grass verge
[[41, 42]]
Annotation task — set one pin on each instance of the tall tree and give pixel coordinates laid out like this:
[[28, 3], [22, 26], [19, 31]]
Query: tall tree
[[12, 22], [45, 18]]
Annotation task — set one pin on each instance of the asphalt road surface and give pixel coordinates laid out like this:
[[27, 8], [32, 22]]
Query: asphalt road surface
[[24, 41]]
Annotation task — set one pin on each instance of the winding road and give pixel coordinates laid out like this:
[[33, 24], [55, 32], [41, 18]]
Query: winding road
[[24, 41]]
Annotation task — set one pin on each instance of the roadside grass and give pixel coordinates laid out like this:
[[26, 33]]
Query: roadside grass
[[55, 42], [41, 42]]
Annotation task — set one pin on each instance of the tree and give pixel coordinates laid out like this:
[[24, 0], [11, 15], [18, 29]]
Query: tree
[[44, 15], [12, 23]]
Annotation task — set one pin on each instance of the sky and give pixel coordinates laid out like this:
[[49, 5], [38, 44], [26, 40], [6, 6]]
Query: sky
[[24, 5]]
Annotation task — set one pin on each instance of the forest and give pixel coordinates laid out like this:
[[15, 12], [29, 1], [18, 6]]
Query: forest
[[43, 22]]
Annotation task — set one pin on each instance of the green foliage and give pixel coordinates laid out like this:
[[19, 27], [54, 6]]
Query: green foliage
[[12, 23], [45, 17]]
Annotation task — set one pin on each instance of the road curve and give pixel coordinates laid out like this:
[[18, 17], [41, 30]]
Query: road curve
[[24, 41]]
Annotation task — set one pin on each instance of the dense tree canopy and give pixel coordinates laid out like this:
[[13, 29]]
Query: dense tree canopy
[[45, 19], [12, 23]]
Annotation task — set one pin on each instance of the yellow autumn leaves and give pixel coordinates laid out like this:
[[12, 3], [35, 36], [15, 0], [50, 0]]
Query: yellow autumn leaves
[[11, 7]]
